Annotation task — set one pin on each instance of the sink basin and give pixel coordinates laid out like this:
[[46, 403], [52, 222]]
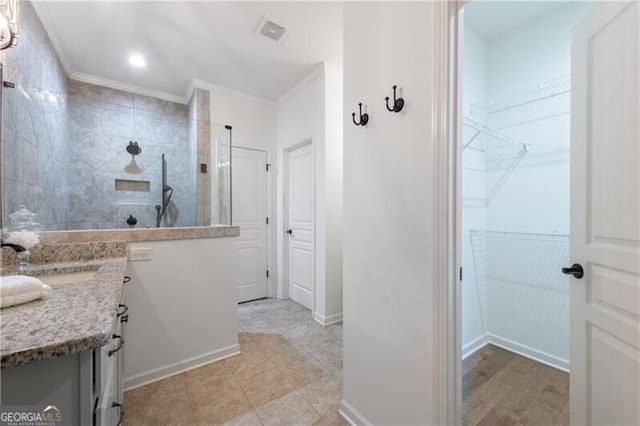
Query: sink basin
[[67, 278]]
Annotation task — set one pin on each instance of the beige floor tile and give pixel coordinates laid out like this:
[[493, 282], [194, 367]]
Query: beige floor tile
[[215, 404], [301, 373], [250, 347], [127, 409], [291, 409], [255, 387], [266, 387], [215, 371], [324, 395], [244, 337], [248, 365], [271, 340], [162, 402], [280, 357], [249, 419]]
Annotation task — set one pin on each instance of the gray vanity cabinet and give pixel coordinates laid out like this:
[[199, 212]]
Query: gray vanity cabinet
[[109, 381], [86, 387]]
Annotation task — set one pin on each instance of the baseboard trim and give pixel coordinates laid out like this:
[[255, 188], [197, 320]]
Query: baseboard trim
[[351, 415], [179, 367], [528, 352], [331, 319], [474, 346]]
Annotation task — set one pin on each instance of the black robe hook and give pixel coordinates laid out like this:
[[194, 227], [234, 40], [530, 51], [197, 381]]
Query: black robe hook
[[398, 103], [364, 118]]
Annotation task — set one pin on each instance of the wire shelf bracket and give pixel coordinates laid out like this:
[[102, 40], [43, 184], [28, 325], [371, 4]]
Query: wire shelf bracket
[[501, 153]]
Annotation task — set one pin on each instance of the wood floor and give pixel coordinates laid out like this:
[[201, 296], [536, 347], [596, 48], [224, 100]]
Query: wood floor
[[502, 388]]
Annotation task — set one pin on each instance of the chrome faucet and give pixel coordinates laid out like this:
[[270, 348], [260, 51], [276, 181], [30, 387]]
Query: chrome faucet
[[16, 247]]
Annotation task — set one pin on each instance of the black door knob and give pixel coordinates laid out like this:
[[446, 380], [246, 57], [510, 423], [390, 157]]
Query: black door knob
[[575, 270], [290, 231]]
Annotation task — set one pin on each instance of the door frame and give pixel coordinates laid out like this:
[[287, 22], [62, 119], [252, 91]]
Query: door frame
[[447, 324], [285, 219], [271, 279]]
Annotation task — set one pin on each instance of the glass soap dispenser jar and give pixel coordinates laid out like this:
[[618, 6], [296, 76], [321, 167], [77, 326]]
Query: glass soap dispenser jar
[[23, 229]]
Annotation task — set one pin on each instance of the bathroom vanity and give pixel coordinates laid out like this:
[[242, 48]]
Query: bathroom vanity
[[66, 350]]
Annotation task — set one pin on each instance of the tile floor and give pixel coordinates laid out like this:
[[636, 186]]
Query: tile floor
[[289, 373], [502, 388]]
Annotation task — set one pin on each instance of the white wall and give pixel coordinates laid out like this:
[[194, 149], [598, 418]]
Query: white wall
[[535, 197], [473, 196], [535, 51], [475, 68], [389, 214], [332, 310], [182, 307], [312, 110], [253, 119]]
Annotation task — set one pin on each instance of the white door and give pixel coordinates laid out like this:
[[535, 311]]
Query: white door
[[249, 212], [300, 224], [605, 217]]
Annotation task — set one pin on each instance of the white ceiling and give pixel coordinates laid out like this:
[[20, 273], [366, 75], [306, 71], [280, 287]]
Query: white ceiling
[[203, 40], [490, 18]]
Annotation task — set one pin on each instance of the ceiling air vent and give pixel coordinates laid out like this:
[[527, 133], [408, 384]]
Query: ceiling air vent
[[272, 30]]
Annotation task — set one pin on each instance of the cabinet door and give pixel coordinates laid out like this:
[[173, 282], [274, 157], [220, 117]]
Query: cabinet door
[[109, 408]]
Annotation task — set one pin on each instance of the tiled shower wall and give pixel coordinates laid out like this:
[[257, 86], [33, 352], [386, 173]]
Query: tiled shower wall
[[103, 122], [201, 116], [35, 126]]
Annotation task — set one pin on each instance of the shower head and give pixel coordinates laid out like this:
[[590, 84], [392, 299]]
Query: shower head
[[133, 148]]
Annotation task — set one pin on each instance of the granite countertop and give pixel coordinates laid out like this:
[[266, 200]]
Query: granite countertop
[[75, 317]]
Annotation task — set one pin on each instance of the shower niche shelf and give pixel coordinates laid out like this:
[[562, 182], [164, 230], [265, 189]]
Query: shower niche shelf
[[500, 153], [132, 191]]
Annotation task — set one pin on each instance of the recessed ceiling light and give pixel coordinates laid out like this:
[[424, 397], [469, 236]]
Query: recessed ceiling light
[[137, 60]]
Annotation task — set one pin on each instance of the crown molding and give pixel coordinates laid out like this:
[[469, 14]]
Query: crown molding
[[201, 84], [131, 88]]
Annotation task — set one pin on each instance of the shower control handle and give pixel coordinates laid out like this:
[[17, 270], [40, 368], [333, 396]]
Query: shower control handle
[[575, 270]]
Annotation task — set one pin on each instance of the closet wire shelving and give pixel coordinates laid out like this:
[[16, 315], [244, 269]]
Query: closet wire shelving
[[553, 91], [523, 259], [535, 111], [501, 153]]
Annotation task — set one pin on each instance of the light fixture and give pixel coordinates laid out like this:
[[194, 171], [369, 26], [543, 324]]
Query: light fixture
[[137, 60], [8, 23]]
